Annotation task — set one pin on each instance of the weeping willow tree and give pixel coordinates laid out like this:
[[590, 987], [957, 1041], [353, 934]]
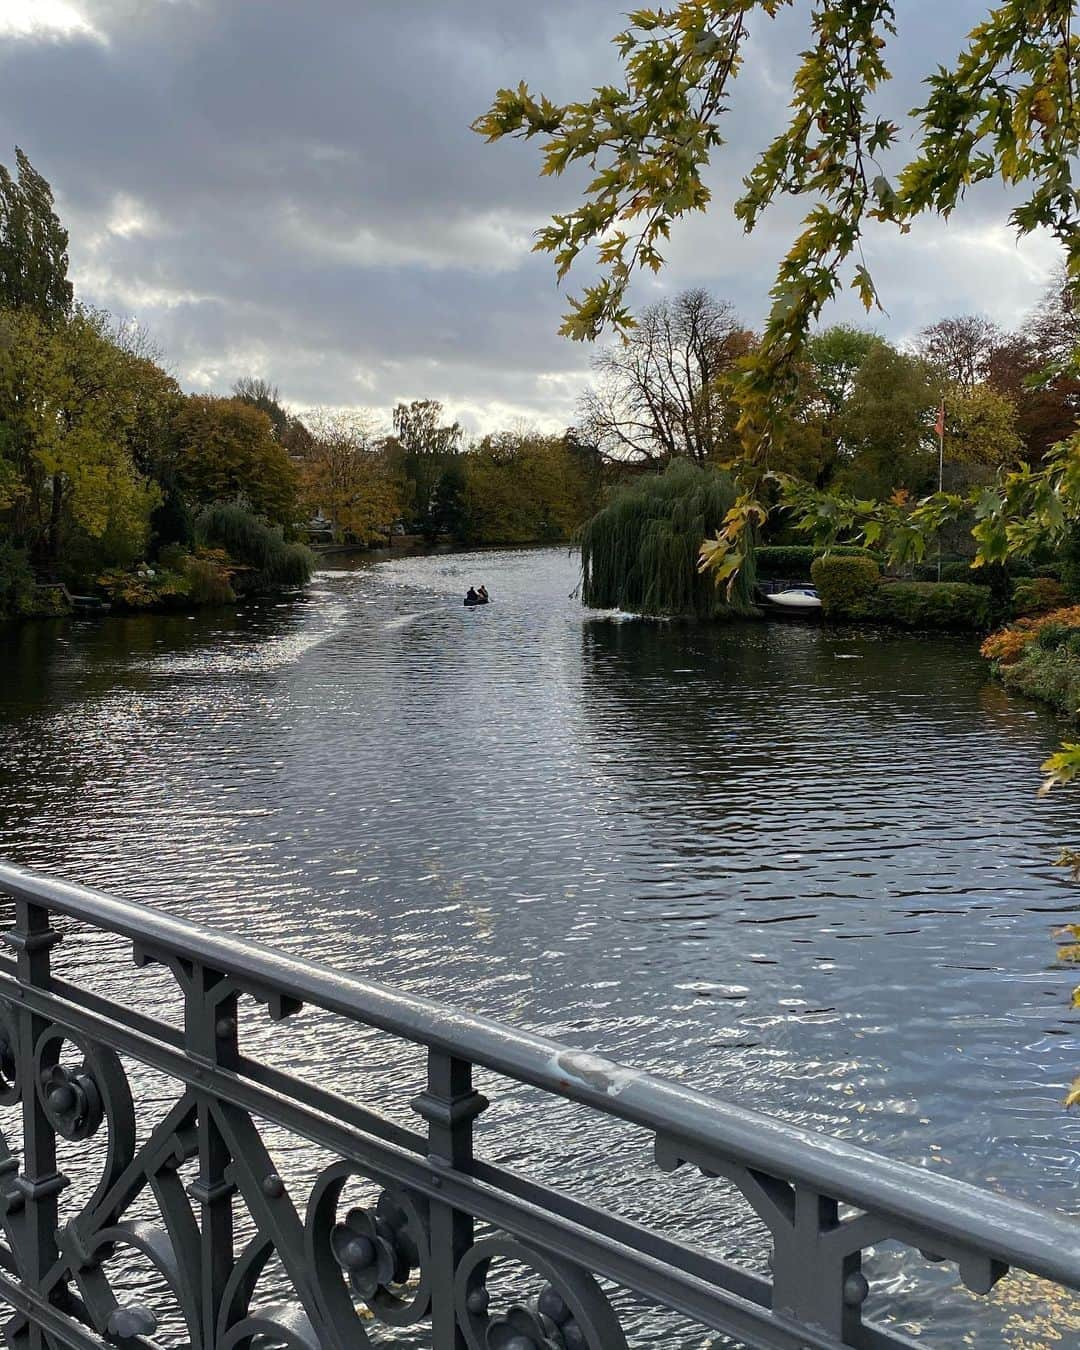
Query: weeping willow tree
[[640, 553]]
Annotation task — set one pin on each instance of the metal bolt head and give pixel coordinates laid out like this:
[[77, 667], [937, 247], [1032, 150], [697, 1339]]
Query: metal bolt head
[[357, 1254], [856, 1288], [273, 1186], [573, 1336], [552, 1304], [62, 1098], [134, 1320], [478, 1301]]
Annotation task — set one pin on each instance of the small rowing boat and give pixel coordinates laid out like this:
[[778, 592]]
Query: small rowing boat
[[796, 597]]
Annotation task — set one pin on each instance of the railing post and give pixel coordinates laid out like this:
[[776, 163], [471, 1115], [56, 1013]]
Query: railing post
[[39, 1182], [817, 1277], [210, 1036], [449, 1105]]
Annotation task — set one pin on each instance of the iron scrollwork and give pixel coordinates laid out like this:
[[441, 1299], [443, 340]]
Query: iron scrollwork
[[571, 1311], [433, 1243], [379, 1254]]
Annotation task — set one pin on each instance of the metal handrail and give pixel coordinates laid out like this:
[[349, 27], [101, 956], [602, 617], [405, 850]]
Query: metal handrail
[[1011, 1230]]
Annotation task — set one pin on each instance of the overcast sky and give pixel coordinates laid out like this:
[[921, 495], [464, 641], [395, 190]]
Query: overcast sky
[[288, 188]]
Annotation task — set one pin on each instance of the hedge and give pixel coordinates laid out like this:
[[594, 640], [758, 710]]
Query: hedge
[[794, 561], [1000, 578], [1039, 595], [932, 604], [847, 586], [851, 588]]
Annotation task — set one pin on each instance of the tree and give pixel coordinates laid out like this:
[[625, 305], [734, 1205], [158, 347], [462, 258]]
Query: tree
[[1007, 109], [426, 446], [834, 358], [346, 475], [449, 513], [1054, 326], [33, 245], [638, 552], [260, 394], [980, 426], [884, 426], [289, 430], [812, 445], [421, 431], [72, 404], [1047, 409], [962, 347], [522, 487], [226, 452], [661, 394]]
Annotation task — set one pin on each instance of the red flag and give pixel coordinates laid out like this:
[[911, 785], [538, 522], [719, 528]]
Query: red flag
[[939, 425]]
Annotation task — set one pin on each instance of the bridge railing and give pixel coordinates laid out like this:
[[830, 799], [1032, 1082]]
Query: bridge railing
[[446, 1219]]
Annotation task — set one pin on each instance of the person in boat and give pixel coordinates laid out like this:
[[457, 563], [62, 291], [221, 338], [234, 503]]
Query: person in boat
[[472, 598], [482, 593]]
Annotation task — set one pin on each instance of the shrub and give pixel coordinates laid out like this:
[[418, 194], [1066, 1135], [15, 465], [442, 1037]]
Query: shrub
[[963, 571], [245, 537], [999, 578], [143, 588], [795, 561], [1037, 595], [846, 585], [1051, 636], [290, 565], [208, 582], [16, 581], [48, 601], [933, 604], [266, 561], [1009, 644], [928, 571], [1051, 676]]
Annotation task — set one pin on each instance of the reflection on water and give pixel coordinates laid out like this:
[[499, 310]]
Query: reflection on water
[[799, 867]]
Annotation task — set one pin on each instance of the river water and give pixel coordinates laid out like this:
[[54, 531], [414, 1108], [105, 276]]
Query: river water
[[802, 868]]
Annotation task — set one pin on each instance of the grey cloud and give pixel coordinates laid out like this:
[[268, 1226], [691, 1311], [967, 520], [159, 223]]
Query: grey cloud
[[292, 187]]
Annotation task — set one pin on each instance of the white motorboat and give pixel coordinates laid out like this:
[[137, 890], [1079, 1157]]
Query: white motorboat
[[796, 597]]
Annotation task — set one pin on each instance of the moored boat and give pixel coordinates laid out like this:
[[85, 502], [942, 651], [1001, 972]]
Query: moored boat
[[795, 598]]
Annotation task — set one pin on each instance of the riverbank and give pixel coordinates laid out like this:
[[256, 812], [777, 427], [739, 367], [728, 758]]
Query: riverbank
[[1040, 658]]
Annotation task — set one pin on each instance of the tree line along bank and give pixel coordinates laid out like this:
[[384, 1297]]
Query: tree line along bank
[[115, 483]]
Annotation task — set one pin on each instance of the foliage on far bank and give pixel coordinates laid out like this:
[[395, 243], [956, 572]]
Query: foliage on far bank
[[639, 552], [793, 562], [1009, 644], [949, 605], [114, 481], [846, 585], [853, 588], [520, 488], [235, 553]]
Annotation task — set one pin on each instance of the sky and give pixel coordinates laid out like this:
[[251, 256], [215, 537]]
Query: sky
[[290, 189]]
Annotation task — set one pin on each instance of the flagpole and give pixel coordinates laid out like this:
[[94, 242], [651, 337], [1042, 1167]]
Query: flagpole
[[940, 472]]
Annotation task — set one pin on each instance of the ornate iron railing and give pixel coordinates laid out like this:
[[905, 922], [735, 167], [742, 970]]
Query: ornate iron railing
[[424, 1254]]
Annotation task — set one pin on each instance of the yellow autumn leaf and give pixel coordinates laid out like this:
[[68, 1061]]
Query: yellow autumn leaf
[[1043, 109]]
